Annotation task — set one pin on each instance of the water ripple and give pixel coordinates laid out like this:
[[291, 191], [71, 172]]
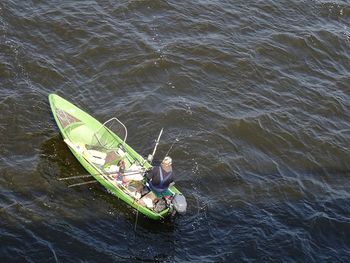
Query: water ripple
[[254, 94]]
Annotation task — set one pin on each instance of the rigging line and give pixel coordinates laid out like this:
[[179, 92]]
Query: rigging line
[[171, 147], [137, 216]]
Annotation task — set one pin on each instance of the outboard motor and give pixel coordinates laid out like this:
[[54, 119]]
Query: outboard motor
[[179, 203]]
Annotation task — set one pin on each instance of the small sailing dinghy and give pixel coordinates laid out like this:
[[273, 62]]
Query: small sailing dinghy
[[110, 160]]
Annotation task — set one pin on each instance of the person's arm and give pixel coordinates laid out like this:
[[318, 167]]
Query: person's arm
[[149, 175]]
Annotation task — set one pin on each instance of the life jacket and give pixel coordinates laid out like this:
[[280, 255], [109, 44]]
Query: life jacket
[[161, 187]]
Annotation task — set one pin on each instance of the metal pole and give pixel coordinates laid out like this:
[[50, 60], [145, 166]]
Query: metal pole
[[75, 177], [88, 182], [150, 157]]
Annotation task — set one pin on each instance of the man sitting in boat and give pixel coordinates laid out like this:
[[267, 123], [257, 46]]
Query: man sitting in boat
[[159, 180]]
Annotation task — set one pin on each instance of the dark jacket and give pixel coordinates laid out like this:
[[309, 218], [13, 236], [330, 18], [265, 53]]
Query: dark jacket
[[159, 179]]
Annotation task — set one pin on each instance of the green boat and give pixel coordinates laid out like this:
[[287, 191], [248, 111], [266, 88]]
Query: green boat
[[100, 151]]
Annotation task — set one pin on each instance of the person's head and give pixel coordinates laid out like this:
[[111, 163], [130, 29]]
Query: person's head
[[167, 161]]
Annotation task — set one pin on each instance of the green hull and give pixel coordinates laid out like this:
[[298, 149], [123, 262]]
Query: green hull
[[79, 127]]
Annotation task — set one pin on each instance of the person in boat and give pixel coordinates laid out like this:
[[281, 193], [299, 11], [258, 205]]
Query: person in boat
[[121, 165], [160, 178]]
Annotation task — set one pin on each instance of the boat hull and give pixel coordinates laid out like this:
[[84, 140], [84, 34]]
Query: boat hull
[[78, 127]]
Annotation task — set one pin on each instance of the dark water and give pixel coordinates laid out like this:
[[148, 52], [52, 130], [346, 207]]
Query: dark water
[[257, 93]]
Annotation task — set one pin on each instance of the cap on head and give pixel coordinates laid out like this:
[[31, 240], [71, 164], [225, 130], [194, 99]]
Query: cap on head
[[167, 160]]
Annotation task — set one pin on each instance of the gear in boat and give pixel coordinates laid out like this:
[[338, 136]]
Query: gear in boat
[[108, 155]]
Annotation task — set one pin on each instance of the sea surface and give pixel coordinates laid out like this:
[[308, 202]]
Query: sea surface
[[253, 95]]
